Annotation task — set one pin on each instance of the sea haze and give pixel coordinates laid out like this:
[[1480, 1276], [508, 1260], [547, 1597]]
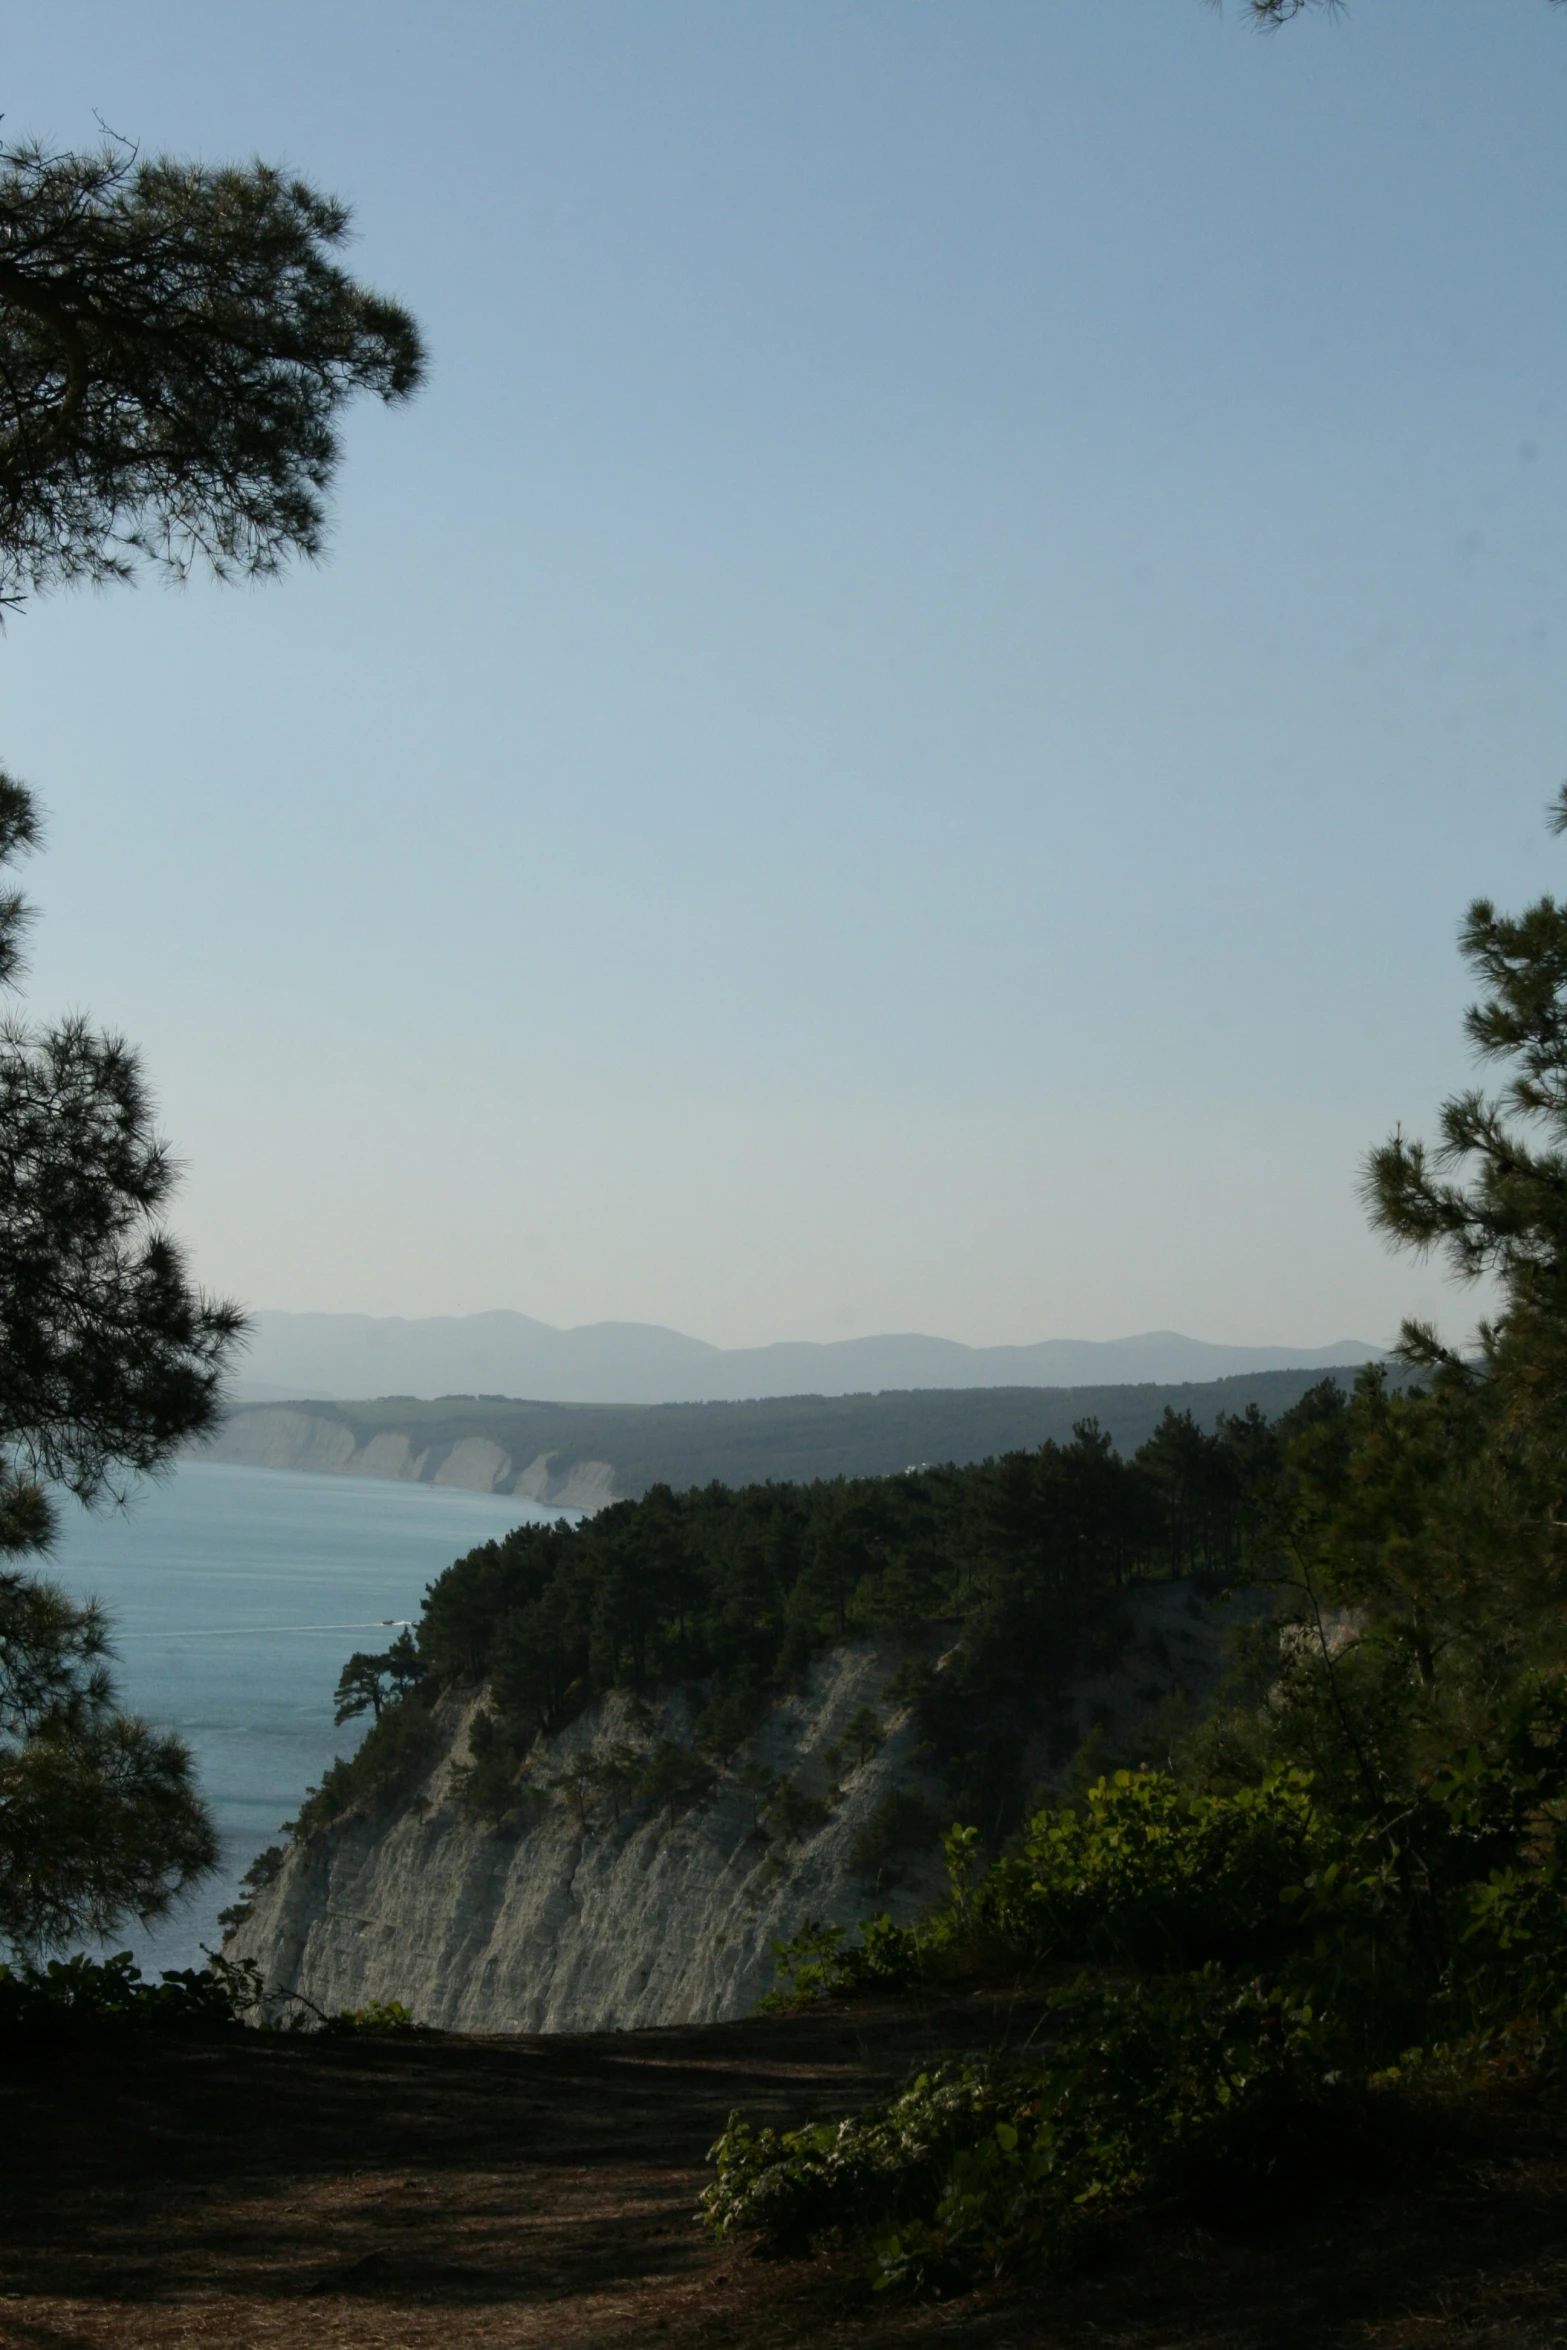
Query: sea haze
[[236, 1595]]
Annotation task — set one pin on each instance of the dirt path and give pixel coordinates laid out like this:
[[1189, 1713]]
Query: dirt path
[[262, 2191]]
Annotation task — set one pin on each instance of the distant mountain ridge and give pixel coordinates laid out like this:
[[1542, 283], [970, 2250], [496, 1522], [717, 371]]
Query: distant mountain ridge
[[336, 1357]]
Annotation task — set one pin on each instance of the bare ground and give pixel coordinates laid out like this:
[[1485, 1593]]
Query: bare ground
[[443, 2190]]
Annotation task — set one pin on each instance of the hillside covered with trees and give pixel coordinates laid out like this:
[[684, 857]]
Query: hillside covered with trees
[[1343, 1880], [536, 1447], [1347, 1882], [1009, 1571]]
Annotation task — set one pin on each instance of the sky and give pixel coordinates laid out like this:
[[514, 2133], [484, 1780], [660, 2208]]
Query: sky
[[899, 738]]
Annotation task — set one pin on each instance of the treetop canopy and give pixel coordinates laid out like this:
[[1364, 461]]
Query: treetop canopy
[[176, 341]]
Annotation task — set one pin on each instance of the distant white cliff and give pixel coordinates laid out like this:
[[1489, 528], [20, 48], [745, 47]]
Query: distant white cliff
[[291, 1436]]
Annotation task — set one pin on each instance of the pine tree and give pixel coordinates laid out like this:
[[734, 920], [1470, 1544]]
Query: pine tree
[[110, 1358], [1491, 1196], [176, 344]]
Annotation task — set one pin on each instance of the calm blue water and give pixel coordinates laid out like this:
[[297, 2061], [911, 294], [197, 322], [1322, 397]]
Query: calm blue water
[[236, 1597]]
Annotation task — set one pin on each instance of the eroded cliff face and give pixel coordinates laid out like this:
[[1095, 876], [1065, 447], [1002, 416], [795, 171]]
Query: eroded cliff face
[[550, 1924], [553, 1924], [292, 1436]]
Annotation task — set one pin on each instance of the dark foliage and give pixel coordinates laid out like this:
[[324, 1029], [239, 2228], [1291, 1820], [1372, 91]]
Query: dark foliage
[[1014, 1567], [109, 1357], [902, 1823], [176, 341], [262, 1872], [808, 1439], [98, 1814], [175, 345], [1355, 1869], [366, 1682], [83, 1994], [980, 2166], [109, 1360], [386, 1764]]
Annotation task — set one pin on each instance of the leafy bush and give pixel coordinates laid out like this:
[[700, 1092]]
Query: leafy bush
[[1285, 1949], [1152, 1874], [1457, 1920], [376, 2020], [86, 1993], [999, 2162], [1148, 1875], [818, 1962], [111, 1994]]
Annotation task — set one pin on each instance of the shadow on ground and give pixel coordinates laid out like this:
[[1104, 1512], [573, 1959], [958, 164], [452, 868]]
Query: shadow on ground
[[273, 2191]]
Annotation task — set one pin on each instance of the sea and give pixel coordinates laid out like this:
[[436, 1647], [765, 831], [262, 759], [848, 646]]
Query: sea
[[235, 1597]]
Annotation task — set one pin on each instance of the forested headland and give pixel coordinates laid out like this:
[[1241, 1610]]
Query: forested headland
[[1000, 1580], [1341, 1882]]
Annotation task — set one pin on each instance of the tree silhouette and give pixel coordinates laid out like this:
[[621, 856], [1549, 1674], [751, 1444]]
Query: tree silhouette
[[176, 344]]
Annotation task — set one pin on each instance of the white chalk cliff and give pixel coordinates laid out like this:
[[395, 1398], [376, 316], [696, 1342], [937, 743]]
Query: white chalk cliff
[[292, 1436], [549, 1925]]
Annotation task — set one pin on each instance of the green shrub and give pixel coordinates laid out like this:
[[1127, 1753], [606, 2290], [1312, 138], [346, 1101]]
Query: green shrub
[[84, 1993], [379, 2019], [675, 1777], [901, 1823], [998, 2163], [1285, 1950], [818, 1962], [790, 1814], [487, 1783], [1151, 1874], [110, 1994], [1148, 1875]]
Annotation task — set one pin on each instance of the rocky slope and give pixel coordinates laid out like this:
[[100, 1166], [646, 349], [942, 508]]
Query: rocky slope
[[550, 1923]]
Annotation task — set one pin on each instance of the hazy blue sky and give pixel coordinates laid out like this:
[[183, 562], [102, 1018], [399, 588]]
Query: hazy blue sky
[[899, 738]]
